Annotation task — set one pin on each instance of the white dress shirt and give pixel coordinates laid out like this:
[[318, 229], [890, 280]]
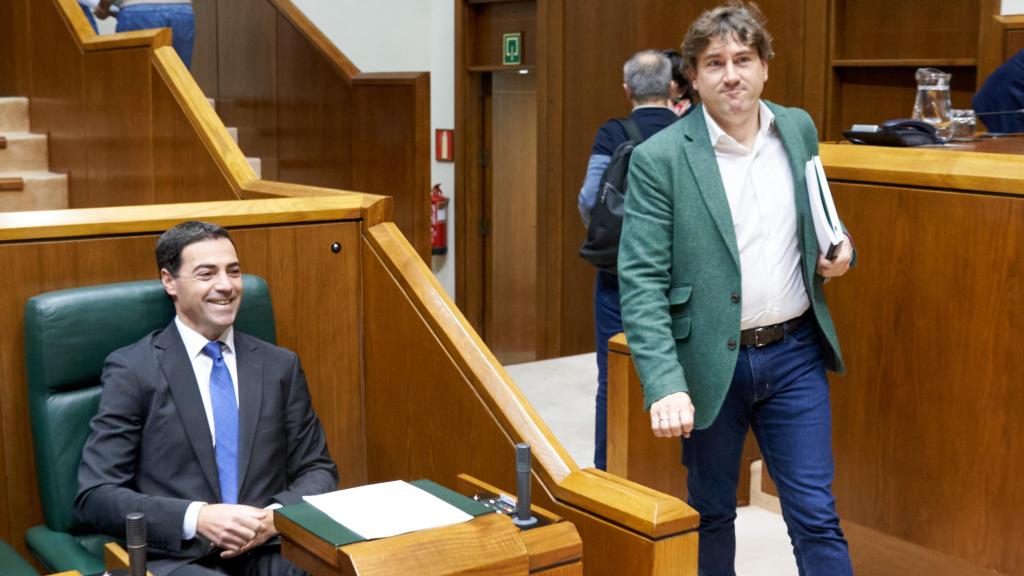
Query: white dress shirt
[[759, 187], [203, 365]]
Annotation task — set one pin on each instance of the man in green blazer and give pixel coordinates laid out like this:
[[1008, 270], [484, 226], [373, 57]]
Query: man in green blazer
[[722, 299]]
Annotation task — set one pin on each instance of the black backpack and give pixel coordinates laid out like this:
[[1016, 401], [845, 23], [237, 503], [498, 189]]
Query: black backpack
[[602, 245]]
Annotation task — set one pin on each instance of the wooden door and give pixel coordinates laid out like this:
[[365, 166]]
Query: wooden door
[[510, 208]]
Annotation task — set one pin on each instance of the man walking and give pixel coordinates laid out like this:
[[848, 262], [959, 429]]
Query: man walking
[[722, 297]]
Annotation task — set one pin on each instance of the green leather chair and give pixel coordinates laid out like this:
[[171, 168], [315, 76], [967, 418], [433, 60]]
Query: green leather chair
[[12, 564], [68, 335]]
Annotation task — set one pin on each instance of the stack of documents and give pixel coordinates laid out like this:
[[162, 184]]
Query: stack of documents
[[827, 226], [387, 509]]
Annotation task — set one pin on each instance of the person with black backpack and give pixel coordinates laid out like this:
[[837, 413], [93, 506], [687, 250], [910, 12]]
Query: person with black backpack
[[646, 79]]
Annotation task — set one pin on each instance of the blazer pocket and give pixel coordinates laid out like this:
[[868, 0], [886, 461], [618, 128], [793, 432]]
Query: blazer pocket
[[678, 296], [681, 327]]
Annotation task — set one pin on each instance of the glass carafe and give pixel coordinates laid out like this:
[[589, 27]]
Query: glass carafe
[[933, 104]]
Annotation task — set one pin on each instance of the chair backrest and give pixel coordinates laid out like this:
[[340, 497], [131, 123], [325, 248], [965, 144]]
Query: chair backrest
[[68, 335]]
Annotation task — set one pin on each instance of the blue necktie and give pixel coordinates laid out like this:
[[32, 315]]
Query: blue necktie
[[225, 423]]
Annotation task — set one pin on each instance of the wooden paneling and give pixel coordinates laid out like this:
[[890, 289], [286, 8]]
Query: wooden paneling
[[14, 49], [389, 111], [315, 133], [205, 67], [325, 285], [1014, 43], [119, 130], [247, 78], [907, 29], [496, 19], [510, 325], [952, 261]]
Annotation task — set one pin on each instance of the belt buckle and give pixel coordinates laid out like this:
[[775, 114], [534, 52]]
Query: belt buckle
[[757, 336]]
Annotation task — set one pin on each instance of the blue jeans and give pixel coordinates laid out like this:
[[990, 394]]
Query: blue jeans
[[781, 391], [607, 323], [88, 16], [178, 17]]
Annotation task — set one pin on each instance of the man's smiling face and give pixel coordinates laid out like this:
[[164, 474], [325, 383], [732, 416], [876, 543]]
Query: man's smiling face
[[208, 288]]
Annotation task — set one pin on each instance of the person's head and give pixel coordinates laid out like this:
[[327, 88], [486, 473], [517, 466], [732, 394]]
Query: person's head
[[679, 88], [200, 271], [646, 77], [725, 56]]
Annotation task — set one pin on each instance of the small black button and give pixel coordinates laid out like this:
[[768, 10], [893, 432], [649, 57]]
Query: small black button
[[732, 344], [735, 298]]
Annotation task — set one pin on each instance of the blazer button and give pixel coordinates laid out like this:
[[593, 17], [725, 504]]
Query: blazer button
[[732, 344], [735, 298]]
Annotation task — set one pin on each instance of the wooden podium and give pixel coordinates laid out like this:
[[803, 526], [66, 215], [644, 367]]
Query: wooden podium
[[488, 544]]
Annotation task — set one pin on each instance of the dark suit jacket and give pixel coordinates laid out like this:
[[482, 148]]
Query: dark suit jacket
[[150, 449], [679, 263]]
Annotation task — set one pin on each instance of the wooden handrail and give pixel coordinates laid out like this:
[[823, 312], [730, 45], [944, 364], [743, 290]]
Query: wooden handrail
[[211, 130], [976, 172], [615, 499], [51, 224]]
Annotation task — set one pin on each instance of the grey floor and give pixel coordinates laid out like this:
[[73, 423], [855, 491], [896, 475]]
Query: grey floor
[[562, 391]]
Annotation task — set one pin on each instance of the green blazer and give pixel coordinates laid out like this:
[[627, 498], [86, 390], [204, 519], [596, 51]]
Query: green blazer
[[679, 265]]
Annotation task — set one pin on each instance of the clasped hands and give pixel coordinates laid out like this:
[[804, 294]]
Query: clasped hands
[[235, 528]]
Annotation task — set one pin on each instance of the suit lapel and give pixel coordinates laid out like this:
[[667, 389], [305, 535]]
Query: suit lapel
[[181, 379], [701, 158], [250, 396], [793, 142]]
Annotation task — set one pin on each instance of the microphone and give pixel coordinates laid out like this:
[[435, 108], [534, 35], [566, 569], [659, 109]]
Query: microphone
[[135, 527], [1000, 112], [522, 518]]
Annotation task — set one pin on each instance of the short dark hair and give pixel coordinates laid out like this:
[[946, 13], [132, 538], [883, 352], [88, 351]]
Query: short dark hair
[[740, 20], [677, 74], [172, 242], [647, 74]]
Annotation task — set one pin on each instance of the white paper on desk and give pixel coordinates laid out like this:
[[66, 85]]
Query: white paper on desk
[[387, 509], [823, 210]]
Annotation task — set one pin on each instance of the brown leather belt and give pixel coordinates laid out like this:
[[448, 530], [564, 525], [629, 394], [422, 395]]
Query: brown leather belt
[[765, 335]]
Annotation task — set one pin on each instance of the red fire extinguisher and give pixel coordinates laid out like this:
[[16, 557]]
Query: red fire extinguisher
[[438, 221]]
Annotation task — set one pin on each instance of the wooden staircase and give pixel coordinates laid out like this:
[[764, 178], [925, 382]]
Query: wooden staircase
[[25, 180]]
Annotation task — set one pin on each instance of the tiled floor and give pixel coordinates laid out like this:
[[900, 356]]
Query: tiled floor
[[562, 391]]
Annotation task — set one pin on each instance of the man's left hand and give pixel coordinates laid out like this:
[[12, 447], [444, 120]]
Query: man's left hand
[[841, 263]]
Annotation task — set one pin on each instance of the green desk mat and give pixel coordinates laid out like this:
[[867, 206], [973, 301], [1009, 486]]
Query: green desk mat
[[325, 528]]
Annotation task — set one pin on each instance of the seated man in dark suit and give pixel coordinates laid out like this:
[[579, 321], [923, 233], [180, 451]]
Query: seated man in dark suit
[[202, 428]]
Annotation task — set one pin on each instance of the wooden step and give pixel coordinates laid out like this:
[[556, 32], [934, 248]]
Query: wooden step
[[13, 114], [8, 184], [33, 191], [25, 152]]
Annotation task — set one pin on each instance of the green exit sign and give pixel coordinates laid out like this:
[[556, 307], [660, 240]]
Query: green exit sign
[[513, 43]]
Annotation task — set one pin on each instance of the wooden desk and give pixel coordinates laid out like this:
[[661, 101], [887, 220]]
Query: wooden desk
[[489, 544]]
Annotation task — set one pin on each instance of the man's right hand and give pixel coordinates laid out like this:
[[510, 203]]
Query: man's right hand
[[233, 527], [672, 416]]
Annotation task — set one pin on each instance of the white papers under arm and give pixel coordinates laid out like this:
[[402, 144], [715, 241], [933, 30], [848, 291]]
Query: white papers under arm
[[827, 227], [387, 509]]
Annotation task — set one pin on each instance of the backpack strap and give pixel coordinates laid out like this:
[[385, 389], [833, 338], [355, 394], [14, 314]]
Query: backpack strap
[[632, 130]]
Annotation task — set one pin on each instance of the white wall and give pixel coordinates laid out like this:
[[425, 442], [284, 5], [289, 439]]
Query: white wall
[[403, 36], [1009, 7]]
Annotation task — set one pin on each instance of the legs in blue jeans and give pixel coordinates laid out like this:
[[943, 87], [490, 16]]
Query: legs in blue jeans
[[782, 393], [178, 17], [88, 16], [607, 323]]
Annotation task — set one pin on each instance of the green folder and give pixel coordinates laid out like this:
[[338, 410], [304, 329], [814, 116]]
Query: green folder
[[324, 527]]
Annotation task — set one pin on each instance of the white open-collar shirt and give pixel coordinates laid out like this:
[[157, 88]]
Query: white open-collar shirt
[[759, 186]]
